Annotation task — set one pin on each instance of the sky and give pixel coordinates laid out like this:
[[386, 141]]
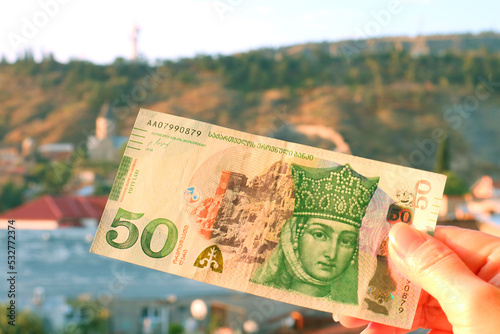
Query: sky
[[100, 31]]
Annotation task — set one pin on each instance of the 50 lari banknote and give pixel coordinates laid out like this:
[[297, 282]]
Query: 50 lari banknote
[[276, 219]]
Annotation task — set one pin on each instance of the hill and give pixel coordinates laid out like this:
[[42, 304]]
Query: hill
[[392, 100]]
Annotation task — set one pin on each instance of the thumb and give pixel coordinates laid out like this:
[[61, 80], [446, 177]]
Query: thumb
[[433, 266]]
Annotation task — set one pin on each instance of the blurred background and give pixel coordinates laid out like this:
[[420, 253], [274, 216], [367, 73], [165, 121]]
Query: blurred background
[[410, 82]]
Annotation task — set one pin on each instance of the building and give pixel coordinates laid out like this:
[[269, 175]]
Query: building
[[56, 151], [10, 157], [486, 188], [12, 164], [105, 145], [419, 47], [223, 313], [49, 213], [478, 210]]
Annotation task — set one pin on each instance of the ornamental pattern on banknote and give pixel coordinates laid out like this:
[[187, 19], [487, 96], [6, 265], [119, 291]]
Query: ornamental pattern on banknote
[[210, 257]]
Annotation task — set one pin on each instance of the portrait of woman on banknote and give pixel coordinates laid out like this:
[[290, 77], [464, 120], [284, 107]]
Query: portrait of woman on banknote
[[317, 254]]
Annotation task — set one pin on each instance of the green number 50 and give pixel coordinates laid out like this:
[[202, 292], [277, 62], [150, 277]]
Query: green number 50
[[147, 233]]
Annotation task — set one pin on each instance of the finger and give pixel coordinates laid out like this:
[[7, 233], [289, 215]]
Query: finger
[[376, 328], [431, 301], [350, 322], [429, 314], [479, 251], [434, 317], [438, 270], [426, 260], [438, 331]]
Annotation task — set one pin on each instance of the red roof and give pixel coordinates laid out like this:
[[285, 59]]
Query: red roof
[[57, 208]]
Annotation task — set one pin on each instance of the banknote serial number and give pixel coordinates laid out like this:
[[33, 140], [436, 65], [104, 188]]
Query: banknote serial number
[[175, 128], [404, 296]]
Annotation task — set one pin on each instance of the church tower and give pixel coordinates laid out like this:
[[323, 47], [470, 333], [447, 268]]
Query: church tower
[[105, 125], [105, 145]]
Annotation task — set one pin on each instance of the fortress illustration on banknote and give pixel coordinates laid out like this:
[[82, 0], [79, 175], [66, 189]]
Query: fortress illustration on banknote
[[307, 221]]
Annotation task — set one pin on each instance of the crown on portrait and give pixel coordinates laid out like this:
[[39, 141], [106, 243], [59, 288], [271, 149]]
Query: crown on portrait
[[336, 193]]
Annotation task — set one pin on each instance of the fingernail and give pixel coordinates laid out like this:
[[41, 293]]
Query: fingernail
[[336, 317], [405, 239]]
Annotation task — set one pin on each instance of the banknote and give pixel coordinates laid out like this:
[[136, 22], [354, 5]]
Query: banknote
[[276, 219]]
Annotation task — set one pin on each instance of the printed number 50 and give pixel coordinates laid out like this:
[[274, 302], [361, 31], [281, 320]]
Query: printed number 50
[[147, 234], [422, 187]]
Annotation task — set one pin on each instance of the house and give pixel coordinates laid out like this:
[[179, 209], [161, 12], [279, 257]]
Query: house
[[50, 212], [10, 156], [478, 210], [486, 187], [484, 199], [451, 207], [220, 313], [56, 151]]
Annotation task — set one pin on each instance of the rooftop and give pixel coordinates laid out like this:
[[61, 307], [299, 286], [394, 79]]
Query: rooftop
[[57, 208]]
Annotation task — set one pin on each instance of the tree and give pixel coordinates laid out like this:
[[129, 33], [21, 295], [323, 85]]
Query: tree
[[53, 176], [94, 317], [443, 157], [455, 186], [25, 323], [175, 328], [11, 195], [102, 189]]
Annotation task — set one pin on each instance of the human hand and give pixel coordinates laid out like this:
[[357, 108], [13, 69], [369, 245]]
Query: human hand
[[459, 272]]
